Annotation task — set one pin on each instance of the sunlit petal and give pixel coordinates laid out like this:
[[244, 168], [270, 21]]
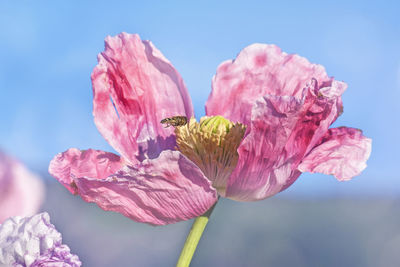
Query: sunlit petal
[[92, 163], [343, 152], [134, 88], [160, 191], [258, 70]]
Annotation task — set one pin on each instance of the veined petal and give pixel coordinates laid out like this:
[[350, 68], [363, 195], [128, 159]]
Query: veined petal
[[342, 152], [21, 192], [259, 70], [283, 129], [263, 167], [326, 107], [75, 163], [134, 88], [158, 191]]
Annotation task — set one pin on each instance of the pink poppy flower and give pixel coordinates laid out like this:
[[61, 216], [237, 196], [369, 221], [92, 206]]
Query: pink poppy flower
[[268, 119], [21, 192]]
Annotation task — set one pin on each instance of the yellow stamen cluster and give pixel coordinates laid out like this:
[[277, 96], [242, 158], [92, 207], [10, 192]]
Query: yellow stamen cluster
[[211, 144]]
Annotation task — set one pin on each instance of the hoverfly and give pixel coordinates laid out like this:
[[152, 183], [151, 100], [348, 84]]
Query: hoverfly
[[174, 121]]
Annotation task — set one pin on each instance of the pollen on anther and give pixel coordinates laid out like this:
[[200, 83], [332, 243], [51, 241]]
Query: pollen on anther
[[211, 144]]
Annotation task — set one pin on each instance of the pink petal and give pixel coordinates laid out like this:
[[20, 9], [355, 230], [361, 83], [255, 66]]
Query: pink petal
[[134, 88], [76, 163], [161, 191], [342, 152], [326, 108], [263, 167], [258, 70], [283, 129], [21, 192]]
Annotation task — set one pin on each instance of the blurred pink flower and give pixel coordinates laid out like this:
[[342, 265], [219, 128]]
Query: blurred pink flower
[[34, 242], [283, 103], [21, 192]]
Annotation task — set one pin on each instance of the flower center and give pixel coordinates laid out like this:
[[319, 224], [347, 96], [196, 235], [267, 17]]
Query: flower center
[[211, 144]]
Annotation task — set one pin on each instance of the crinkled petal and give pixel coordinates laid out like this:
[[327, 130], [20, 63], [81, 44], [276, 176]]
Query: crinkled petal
[[92, 163], [21, 192], [33, 241], [343, 152], [134, 88], [258, 70], [325, 109], [282, 131], [263, 167], [158, 191]]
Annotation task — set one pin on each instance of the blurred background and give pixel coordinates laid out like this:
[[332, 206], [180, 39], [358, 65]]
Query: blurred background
[[47, 53]]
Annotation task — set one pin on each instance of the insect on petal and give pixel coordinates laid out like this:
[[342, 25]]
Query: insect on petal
[[134, 88]]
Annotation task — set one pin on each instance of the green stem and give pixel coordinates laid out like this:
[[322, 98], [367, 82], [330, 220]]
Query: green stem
[[193, 238]]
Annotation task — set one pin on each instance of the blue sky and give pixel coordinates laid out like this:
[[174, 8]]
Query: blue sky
[[48, 50]]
